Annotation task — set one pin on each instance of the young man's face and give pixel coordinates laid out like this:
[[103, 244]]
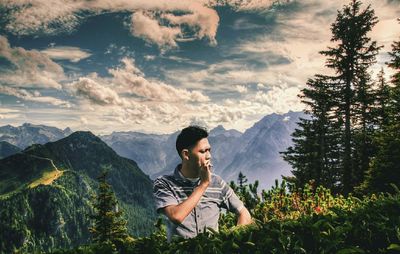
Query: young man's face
[[200, 155]]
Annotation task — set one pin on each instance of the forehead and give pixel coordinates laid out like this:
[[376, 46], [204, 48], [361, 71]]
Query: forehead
[[202, 144]]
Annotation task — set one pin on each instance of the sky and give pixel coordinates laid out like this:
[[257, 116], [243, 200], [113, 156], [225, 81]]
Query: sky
[[156, 66]]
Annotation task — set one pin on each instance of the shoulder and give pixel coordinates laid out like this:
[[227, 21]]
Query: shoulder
[[217, 181], [163, 180]]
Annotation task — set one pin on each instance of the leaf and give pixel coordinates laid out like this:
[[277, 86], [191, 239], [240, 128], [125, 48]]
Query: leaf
[[351, 250], [235, 246], [250, 244], [394, 246]]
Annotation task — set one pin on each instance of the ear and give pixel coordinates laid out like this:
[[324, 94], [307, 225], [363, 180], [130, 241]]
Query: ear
[[185, 154]]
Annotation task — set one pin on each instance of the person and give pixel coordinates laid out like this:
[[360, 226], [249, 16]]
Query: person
[[193, 196]]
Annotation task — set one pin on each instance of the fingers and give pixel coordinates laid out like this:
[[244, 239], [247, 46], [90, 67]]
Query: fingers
[[207, 166]]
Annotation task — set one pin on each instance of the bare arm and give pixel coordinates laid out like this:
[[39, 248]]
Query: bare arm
[[244, 217], [177, 213]]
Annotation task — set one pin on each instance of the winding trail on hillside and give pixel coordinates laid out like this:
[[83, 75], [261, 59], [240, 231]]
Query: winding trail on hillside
[[44, 158], [46, 179]]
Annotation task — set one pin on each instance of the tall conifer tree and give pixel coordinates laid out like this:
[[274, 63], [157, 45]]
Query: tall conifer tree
[[319, 156], [385, 168], [315, 153], [382, 100], [109, 224], [363, 126]]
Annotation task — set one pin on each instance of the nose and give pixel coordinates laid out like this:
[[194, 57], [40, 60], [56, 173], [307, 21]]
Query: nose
[[208, 155]]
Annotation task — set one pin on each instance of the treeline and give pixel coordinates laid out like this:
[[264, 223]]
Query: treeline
[[350, 139]]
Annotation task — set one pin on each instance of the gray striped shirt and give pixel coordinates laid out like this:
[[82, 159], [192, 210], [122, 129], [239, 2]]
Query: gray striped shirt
[[174, 189]]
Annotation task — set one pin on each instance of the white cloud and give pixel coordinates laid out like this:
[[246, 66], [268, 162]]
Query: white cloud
[[29, 68], [130, 80], [149, 57], [54, 16], [72, 54], [33, 96], [143, 25], [207, 23], [241, 89], [96, 93], [8, 113], [281, 98]]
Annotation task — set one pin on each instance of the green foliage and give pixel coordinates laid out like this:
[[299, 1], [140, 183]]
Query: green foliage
[[109, 224], [310, 220], [46, 217]]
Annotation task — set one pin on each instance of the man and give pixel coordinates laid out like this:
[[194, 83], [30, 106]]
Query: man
[[192, 197]]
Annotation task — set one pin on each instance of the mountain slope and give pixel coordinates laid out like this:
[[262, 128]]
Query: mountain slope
[[52, 182], [7, 149], [257, 155]]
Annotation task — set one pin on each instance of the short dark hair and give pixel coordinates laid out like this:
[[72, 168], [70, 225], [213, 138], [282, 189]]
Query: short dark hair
[[189, 137]]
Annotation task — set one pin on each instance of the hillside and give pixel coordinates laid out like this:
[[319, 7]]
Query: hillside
[[7, 149], [46, 191]]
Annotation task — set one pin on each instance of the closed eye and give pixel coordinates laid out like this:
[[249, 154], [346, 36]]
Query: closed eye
[[206, 150]]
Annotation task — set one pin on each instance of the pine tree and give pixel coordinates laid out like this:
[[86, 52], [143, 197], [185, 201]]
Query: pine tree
[[395, 90], [327, 145], [109, 225], [382, 100], [314, 155], [385, 168], [350, 59], [363, 126], [246, 192]]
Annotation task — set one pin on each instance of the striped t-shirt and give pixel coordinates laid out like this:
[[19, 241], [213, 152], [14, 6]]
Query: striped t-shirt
[[174, 189]]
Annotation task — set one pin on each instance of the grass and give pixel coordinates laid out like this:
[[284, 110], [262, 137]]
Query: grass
[[47, 178]]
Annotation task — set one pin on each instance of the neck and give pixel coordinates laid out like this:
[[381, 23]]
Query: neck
[[188, 171]]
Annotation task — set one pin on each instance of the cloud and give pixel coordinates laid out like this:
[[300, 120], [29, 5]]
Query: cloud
[[96, 93], [7, 113], [241, 89], [73, 54], [29, 68], [147, 27], [260, 86], [249, 5], [130, 80], [34, 97], [149, 57], [206, 22], [27, 17], [129, 98], [280, 98]]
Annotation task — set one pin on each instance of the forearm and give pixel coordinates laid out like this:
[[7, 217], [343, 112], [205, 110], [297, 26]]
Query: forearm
[[244, 217], [177, 213]]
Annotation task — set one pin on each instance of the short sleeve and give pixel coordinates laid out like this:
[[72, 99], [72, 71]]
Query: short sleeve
[[229, 199], [163, 195]]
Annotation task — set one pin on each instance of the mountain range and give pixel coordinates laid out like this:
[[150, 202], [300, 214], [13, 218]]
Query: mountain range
[[46, 193], [29, 134], [255, 152]]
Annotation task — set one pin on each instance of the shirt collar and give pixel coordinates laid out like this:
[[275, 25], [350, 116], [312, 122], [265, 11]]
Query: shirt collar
[[179, 176]]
